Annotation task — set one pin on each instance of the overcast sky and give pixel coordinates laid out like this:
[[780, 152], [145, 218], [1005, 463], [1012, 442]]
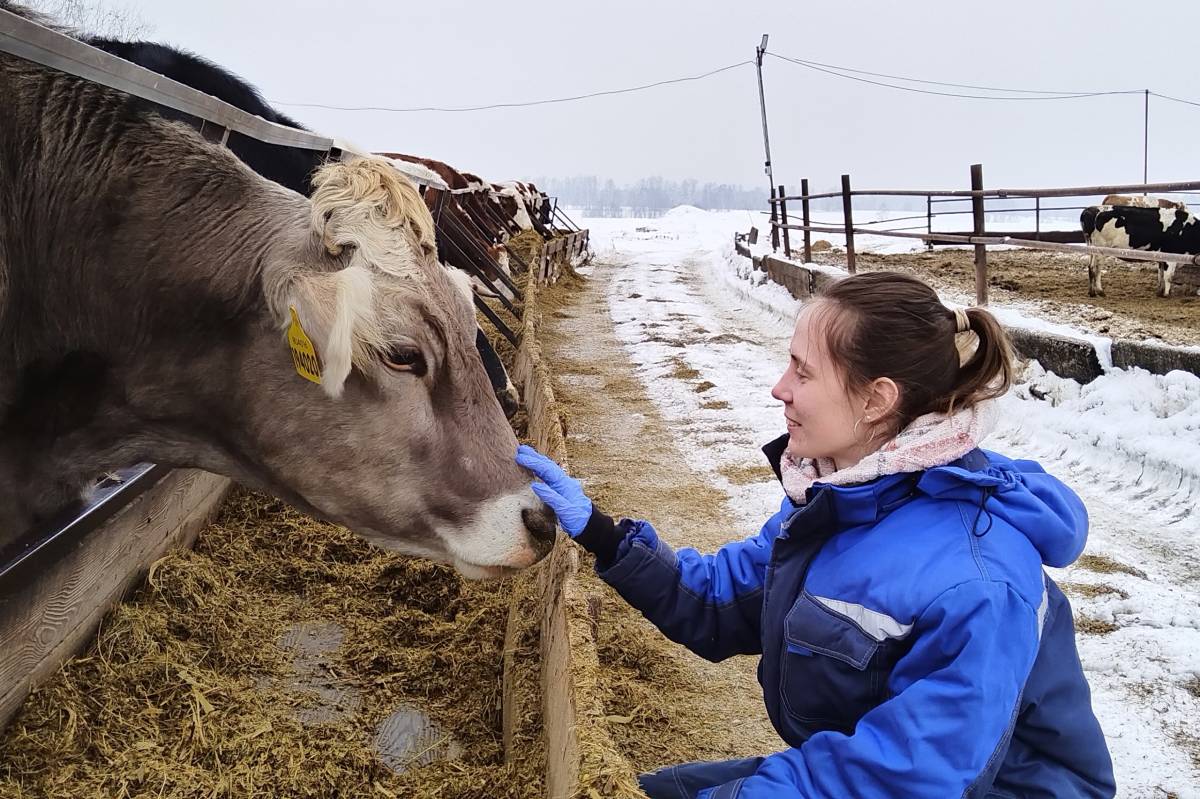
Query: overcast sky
[[452, 53]]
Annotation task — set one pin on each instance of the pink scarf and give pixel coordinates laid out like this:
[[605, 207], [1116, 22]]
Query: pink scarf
[[934, 439]]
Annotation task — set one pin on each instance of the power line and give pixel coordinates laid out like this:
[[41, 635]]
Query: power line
[[525, 104], [1174, 99], [1068, 96], [805, 61]]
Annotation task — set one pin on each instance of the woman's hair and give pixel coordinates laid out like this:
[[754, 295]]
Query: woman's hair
[[886, 324]]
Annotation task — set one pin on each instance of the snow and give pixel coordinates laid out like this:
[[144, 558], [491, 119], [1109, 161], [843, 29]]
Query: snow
[[1128, 443]]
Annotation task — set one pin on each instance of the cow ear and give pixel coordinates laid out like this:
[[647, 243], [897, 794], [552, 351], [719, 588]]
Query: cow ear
[[336, 312]]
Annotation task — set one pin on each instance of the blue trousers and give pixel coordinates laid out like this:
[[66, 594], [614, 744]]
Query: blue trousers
[[688, 779]]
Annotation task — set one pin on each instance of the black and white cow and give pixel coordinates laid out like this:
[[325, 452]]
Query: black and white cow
[[1168, 230]]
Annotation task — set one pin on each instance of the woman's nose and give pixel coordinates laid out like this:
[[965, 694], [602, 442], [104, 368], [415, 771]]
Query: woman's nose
[[780, 391]]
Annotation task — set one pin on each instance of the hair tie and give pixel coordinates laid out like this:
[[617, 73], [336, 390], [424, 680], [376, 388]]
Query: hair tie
[[962, 321]]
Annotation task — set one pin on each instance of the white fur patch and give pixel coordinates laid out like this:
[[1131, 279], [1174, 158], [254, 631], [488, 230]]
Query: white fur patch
[[1167, 217], [497, 539], [1111, 235]]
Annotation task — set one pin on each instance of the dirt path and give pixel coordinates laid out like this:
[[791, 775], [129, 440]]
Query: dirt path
[[665, 704]]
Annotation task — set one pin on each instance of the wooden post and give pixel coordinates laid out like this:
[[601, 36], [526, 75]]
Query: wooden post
[[774, 223], [981, 288], [848, 214], [807, 221], [1037, 216], [787, 238]]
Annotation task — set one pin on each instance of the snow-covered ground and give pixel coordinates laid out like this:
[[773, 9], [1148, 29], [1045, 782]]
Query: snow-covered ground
[[1128, 443]]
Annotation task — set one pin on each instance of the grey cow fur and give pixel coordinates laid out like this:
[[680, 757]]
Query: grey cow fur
[[138, 264]]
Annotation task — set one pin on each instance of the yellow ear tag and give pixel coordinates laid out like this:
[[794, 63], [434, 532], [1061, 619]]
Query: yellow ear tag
[[304, 354]]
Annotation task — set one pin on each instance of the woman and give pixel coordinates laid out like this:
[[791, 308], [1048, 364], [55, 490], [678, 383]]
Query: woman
[[912, 645]]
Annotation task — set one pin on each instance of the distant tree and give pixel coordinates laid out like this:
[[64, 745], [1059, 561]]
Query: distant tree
[[97, 17], [649, 196]]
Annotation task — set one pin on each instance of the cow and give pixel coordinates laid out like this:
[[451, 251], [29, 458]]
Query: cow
[[470, 236], [289, 166], [1168, 230], [526, 205], [161, 301], [1142, 202]]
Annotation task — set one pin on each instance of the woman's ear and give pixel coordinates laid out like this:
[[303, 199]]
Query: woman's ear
[[883, 399]]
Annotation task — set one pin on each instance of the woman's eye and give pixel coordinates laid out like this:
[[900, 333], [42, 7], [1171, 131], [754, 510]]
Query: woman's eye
[[405, 359]]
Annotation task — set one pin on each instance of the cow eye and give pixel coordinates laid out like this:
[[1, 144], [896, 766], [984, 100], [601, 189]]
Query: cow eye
[[405, 358]]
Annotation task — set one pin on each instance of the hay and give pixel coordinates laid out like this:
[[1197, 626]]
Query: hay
[[681, 371], [185, 691], [526, 245], [741, 475], [1090, 625], [1092, 590], [1106, 565]]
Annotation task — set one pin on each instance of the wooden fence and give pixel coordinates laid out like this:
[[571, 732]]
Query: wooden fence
[[1056, 241], [556, 251]]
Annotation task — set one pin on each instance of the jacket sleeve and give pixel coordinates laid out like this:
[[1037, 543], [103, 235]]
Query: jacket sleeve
[[948, 724], [709, 603]]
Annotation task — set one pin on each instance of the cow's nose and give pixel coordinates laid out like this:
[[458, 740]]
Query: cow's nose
[[541, 525]]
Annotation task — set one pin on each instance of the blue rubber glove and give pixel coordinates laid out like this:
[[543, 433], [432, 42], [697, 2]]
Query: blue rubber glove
[[560, 491]]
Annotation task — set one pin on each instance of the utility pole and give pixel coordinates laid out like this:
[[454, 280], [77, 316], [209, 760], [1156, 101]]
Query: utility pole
[[762, 102]]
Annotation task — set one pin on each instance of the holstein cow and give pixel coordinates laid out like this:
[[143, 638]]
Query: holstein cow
[[150, 286], [1168, 230], [293, 167]]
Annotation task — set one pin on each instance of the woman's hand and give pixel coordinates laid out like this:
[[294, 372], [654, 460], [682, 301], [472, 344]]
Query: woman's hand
[[560, 491]]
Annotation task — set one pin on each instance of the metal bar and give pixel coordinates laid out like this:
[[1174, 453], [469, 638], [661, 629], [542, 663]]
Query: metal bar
[[963, 196], [1009, 241], [452, 221], [787, 240], [807, 221], [44, 544], [1037, 214], [981, 288], [495, 319], [470, 266], [1146, 144], [1076, 191], [848, 218], [32, 42]]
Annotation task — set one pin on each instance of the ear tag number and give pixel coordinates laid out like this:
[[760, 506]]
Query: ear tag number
[[304, 354]]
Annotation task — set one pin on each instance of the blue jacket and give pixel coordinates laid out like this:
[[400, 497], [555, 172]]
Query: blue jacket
[[912, 645]]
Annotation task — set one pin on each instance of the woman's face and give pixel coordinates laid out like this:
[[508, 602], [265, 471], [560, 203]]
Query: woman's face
[[821, 415]]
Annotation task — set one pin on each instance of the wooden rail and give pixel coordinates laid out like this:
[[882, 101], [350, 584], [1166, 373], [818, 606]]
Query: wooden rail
[[555, 251]]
